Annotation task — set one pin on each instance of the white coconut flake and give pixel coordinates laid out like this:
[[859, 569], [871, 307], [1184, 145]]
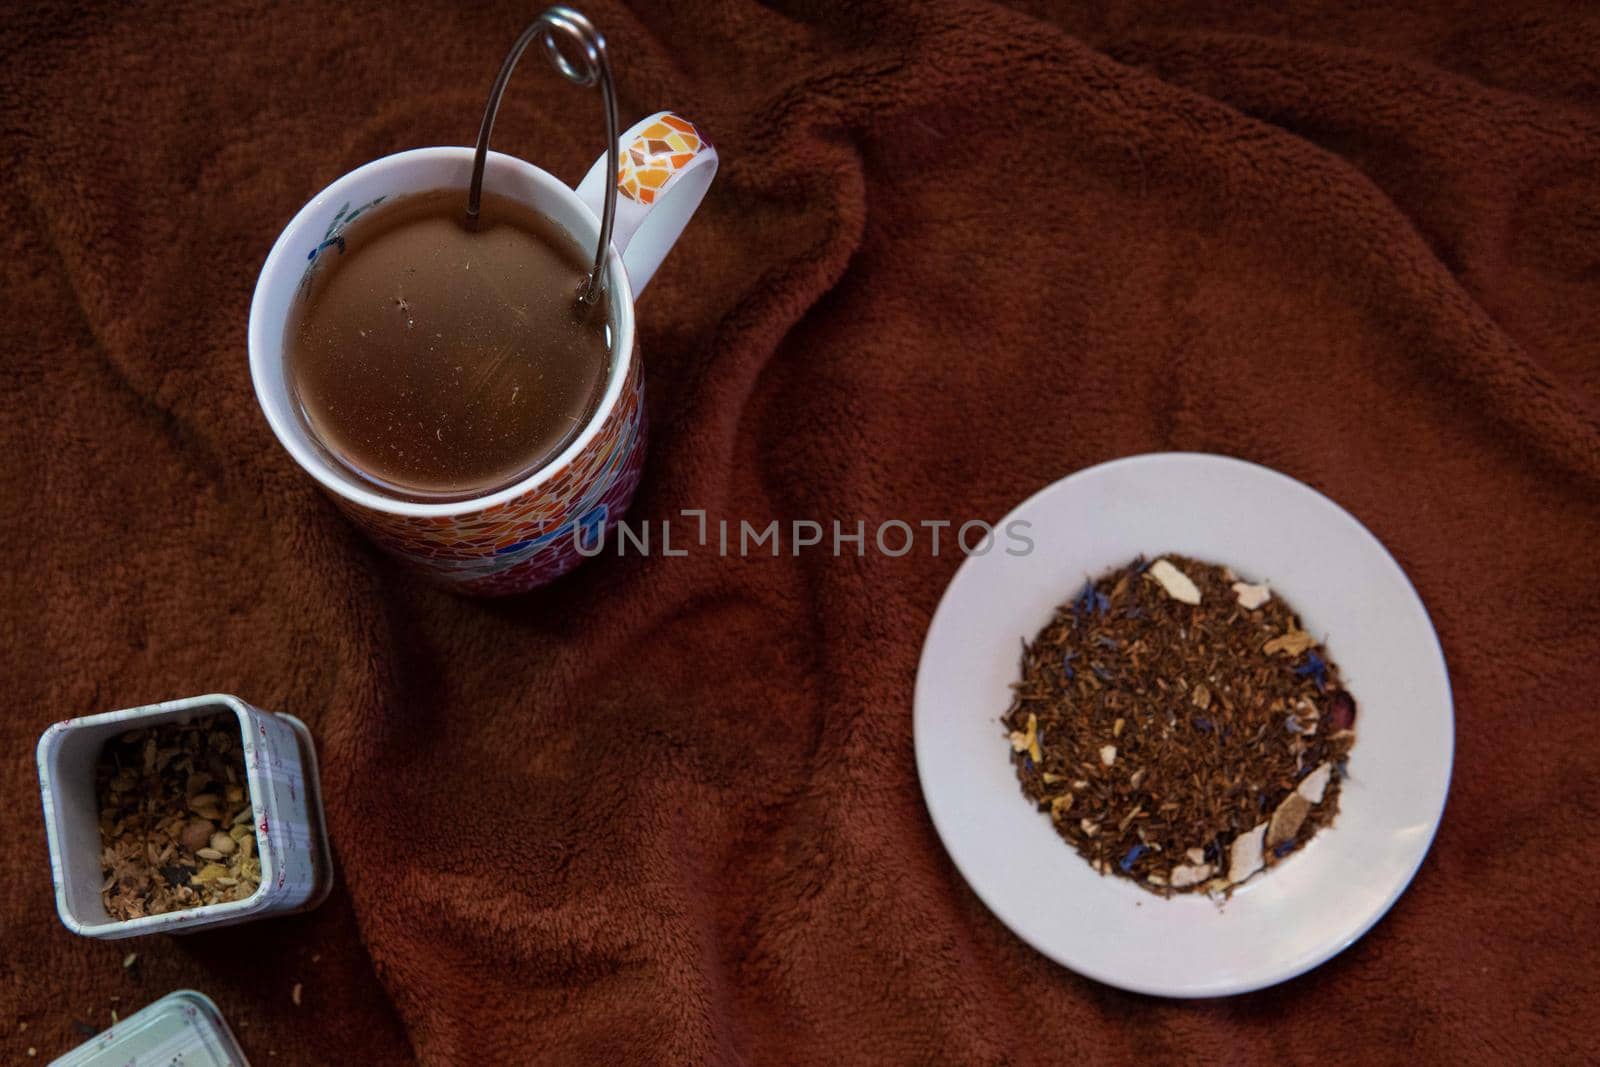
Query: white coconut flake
[[1108, 754], [1316, 783], [1188, 874], [1175, 582], [1250, 596], [1245, 857]]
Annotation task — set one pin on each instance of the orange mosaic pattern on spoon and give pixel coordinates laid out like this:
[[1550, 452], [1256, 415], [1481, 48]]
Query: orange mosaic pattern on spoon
[[662, 149]]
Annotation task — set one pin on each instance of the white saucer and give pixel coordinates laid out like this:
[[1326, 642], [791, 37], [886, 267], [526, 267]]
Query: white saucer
[[1348, 590]]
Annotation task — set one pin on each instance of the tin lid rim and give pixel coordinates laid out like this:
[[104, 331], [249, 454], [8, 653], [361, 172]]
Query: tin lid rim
[[206, 1010]]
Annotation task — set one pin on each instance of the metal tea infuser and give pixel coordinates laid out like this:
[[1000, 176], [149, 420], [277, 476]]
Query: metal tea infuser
[[556, 25]]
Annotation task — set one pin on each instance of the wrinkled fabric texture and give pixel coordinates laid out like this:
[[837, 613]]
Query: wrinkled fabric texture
[[666, 810]]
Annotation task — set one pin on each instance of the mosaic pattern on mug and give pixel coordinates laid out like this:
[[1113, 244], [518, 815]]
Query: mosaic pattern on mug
[[467, 549], [662, 149], [561, 553]]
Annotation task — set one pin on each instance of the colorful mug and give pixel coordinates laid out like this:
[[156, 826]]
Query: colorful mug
[[528, 533]]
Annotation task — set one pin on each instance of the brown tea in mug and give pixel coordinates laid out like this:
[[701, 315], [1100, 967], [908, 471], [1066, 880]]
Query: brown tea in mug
[[441, 358]]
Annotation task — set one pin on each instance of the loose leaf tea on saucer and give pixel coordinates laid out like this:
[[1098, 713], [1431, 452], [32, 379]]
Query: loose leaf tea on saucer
[[176, 825], [1179, 726]]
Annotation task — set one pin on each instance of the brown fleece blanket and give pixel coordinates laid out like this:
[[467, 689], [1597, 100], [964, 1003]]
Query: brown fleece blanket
[[665, 811]]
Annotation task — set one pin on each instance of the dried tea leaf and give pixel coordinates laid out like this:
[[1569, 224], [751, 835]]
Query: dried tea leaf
[[1028, 741], [159, 842], [209, 873], [1210, 730], [1292, 643]]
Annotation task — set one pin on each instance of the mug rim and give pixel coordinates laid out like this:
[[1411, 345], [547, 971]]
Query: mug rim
[[303, 451]]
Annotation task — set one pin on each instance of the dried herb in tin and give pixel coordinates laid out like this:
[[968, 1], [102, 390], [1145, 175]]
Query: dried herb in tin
[[1179, 726], [176, 825]]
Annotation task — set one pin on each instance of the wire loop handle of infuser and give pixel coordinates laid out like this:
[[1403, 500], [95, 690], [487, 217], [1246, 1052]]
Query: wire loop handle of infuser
[[558, 24]]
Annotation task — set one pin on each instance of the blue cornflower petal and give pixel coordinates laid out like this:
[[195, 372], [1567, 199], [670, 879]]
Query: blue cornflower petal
[[1084, 604], [1314, 668], [1132, 857]]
